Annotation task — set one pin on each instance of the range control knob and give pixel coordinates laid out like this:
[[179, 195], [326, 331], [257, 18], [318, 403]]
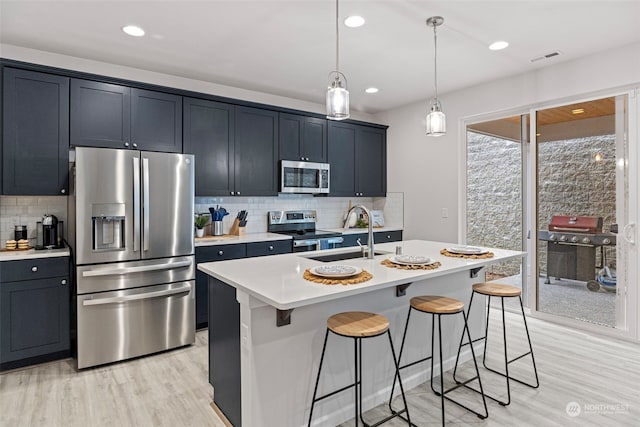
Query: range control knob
[[552, 237], [586, 240], [606, 241], [563, 238], [575, 239]]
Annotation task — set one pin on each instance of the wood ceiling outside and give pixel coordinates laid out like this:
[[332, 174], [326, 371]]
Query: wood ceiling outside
[[597, 108]]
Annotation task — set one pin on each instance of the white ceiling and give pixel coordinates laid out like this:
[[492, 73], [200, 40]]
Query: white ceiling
[[288, 47]]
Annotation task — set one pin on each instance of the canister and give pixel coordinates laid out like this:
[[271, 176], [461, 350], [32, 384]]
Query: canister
[[20, 232]]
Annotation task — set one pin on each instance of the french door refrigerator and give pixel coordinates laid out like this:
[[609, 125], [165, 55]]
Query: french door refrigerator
[[133, 231]]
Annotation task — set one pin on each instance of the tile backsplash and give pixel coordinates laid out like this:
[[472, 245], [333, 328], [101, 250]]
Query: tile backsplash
[[28, 210], [331, 210]]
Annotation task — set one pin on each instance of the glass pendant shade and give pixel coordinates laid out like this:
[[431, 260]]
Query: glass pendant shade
[[436, 120], [337, 98]]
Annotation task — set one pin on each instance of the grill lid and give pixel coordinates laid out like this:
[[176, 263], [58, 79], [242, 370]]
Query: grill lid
[[576, 224]]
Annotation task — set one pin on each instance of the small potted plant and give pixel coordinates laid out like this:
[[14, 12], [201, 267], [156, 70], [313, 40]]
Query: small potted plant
[[201, 222]]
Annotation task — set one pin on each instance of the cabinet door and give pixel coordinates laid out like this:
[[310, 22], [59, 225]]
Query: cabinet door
[[314, 140], [371, 162], [387, 236], [35, 137], [352, 239], [100, 114], [256, 152], [35, 318], [302, 138], [208, 135], [342, 151], [274, 247], [156, 121]]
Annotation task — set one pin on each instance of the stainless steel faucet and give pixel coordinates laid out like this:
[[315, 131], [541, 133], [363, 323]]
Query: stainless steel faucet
[[370, 244]]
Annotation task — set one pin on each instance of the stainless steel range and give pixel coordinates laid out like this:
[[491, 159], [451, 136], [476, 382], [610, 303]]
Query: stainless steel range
[[132, 235], [301, 225]]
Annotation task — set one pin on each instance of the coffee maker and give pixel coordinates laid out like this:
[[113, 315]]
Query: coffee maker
[[50, 233]]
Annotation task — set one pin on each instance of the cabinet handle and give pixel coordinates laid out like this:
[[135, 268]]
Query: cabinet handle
[[388, 237], [306, 158], [135, 145], [63, 191], [63, 282], [270, 248], [34, 269], [233, 192], [301, 158], [237, 193], [126, 144], [220, 253]]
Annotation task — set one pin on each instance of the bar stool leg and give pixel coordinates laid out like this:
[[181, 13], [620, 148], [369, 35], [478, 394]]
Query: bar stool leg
[[357, 390], [396, 376], [315, 389], [396, 363], [535, 369], [475, 364], [486, 331]]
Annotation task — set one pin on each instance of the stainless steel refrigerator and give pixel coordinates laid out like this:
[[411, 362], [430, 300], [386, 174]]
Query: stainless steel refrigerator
[[131, 230]]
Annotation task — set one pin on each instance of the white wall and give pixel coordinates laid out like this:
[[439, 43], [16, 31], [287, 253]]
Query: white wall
[[118, 71], [426, 169]]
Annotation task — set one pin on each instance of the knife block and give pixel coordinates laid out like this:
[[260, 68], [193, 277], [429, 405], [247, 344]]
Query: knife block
[[236, 230]]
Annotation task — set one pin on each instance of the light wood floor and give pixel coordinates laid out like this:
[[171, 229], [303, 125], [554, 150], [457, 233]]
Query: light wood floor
[[601, 375]]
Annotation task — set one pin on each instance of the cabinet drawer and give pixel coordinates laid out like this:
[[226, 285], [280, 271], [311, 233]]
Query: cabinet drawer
[[274, 247], [220, 252], [29, 269], [387, 236]]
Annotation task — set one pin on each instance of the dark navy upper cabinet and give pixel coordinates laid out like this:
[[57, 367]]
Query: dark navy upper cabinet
[[156, 121], [358, 158], [256, 152], [34, 311], [35, 133], [100, 114], [302, 138], [114, 116], [208, 134]]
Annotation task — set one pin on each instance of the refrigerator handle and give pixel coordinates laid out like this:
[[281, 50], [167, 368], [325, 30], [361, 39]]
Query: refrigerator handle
[[145, 204], [136, 204]]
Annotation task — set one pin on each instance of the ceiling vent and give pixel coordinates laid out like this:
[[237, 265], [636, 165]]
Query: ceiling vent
[[547, 56]]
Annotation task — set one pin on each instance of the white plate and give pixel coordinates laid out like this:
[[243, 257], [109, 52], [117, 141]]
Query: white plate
[[467, 250], [411, 260], [335, 271]]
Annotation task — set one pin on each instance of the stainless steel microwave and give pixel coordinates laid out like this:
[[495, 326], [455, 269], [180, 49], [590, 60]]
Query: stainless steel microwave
[[304, 177]]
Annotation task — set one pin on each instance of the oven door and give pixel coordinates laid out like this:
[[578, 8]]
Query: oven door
[[304, 177]]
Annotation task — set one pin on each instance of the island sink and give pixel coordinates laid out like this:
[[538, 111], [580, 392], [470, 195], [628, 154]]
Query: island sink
[[343, 256]]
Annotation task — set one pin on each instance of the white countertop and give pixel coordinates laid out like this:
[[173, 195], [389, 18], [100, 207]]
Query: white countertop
[[277, 280], [362, 230], [32, 253], [232, 240]]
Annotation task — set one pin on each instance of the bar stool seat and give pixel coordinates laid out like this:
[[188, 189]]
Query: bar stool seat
[[439, 306], [359, 325], [501, 291], [497, 290]]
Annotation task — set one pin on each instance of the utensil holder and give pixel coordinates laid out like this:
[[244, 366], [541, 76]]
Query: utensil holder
[[217, 228]]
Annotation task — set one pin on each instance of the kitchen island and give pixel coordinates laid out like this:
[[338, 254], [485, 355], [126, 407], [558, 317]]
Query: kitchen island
[[267, 324]]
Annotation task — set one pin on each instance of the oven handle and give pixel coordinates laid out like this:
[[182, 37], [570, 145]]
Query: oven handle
[[569, 229], [114, 300], [137, 269]]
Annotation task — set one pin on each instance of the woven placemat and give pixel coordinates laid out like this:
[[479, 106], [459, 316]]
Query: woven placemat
[[388, 263], [358, 278], [481, 256]]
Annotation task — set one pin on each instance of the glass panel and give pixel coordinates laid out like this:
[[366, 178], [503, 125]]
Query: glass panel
[[577, 156], [495, 194], [301, 178]]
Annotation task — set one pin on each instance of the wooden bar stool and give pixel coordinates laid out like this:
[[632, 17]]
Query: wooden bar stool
[[502, 291], [358, 325], [439, 306]]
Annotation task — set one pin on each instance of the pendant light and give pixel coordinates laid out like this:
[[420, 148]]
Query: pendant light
[[436, 120], [337, 93]]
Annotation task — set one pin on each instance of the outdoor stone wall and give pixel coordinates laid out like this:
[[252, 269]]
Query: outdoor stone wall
[[571, 182]]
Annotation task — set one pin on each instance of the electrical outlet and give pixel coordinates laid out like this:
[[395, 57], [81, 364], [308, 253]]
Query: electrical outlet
[[445, 213]]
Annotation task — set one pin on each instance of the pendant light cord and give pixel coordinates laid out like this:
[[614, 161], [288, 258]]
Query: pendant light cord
[[435, 59], [337, 40]]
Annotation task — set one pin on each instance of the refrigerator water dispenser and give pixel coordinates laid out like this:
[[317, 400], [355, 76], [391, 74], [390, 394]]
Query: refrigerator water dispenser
[[108, 225]]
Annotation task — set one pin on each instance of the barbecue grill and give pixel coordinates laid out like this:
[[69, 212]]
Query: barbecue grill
[[571, 248]]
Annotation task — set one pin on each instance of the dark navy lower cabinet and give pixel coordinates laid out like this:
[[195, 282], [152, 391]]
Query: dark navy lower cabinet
[[34, 313], [378, 237]]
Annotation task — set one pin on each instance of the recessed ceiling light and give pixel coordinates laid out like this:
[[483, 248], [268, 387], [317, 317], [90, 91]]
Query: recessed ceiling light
[[133, 30], [371, 90], [354, 21], [499, 45], [577, 111]]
